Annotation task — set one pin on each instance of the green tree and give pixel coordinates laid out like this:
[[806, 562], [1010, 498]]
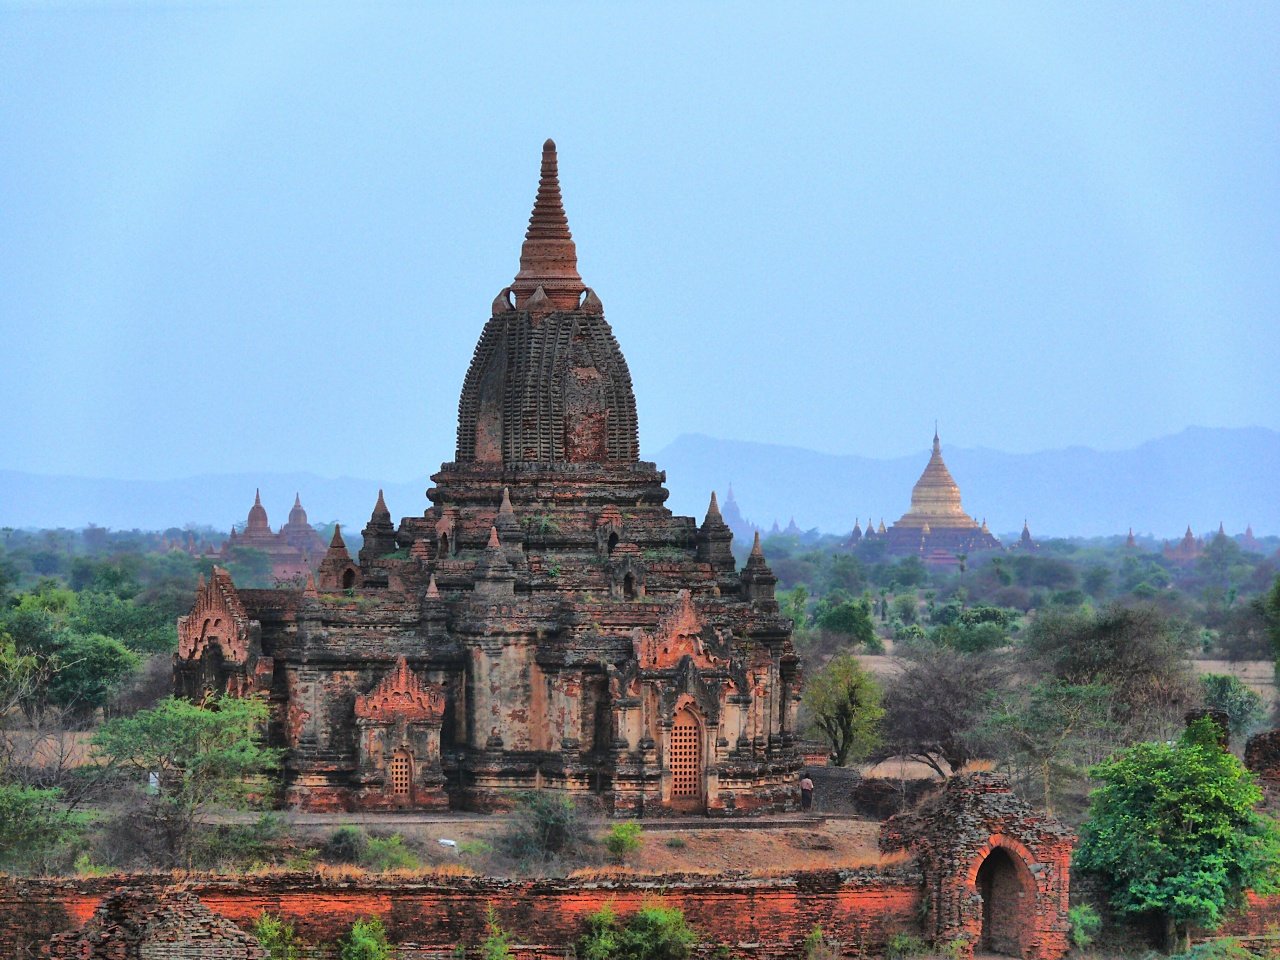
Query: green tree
[[935, 706], [33, 826], [1173, 830], [795, 604], [1136, 651], [1268, 605], [202, 756], [1243, 707], [1047, 731], [90, 669], [843, 702], [850, 619]]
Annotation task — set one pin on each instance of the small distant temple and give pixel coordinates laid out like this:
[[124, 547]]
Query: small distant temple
[[1248, 542], [294, 551], [936, 528], [742, 528], [1025, 542], [1186, 550]]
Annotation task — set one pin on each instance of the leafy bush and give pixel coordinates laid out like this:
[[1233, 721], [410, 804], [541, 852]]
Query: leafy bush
[[653, 932], [676, 843], [544, 825], [622, 840], [366, 941], [388, 853], [900, 946], [1085, 924], [817, 947], [347, 844], [1243, 706], [276, 937], [1228, 948], [34, 827]]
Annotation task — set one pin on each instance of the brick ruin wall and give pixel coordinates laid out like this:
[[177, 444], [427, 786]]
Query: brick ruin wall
[[758, 917]]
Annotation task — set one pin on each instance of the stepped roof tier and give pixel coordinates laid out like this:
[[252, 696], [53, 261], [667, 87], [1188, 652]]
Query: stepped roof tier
[[936, 526]]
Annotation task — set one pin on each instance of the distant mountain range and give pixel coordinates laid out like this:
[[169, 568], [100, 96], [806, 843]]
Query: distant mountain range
[[1199, 477]]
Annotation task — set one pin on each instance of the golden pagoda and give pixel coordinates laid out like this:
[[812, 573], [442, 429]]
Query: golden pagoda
[[936, 527]]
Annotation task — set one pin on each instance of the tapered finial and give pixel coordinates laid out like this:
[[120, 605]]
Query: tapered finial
[[549, 258]]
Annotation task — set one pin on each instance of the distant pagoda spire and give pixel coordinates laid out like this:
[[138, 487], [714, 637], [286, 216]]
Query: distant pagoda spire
[[548, 259]]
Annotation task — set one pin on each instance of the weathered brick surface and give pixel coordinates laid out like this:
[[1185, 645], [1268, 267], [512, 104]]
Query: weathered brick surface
[[999, 872], [766, 917], [143, 924]]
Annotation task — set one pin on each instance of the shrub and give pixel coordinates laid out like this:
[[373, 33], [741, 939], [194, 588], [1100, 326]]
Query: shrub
[[1085, 924], [347, 844], [388, 853], [653, 932], [818, 947], [676, 843], [497, 945], [1228, 948], [622, 840], [366, 941], [34, 829], [544, 825], [276, 937], [474, 848], [903, 945]]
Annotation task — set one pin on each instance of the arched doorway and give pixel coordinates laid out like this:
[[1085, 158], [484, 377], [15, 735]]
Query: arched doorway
[[1008, 903], [685, 762]]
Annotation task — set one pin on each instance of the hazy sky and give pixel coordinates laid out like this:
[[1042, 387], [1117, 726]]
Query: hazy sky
[[265, 236]]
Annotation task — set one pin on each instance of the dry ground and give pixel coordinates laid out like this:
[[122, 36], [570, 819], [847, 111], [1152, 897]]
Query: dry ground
[[837, 842]]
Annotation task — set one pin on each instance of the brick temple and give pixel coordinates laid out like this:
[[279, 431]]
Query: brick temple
[[293, 551], [546, 623]]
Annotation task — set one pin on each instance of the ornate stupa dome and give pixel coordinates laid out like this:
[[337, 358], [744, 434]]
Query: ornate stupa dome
[[298, 516], [937, 525], [935, 499]]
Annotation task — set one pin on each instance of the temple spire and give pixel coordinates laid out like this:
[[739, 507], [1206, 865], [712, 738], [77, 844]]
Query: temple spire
[[548, 259]]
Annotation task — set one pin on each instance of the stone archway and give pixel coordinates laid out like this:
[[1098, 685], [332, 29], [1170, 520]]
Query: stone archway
[[1007, 894]]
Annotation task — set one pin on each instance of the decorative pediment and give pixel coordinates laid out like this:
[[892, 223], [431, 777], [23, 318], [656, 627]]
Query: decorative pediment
[[678, 635], [218, 617], [401, 695]]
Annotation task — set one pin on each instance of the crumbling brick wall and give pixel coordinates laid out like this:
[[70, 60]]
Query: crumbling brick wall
[[998, 872], [756, 917]]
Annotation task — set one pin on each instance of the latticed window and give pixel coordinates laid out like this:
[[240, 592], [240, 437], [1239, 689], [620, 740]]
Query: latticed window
[[401, 774], [686, 756]]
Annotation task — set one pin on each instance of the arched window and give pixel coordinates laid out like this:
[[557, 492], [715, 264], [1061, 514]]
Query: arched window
[[401, 774], [685, 761], [613, 541], [348, 579], [629, 586]]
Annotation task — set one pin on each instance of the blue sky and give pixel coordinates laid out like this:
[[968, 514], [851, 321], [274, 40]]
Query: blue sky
[[265, 236]]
